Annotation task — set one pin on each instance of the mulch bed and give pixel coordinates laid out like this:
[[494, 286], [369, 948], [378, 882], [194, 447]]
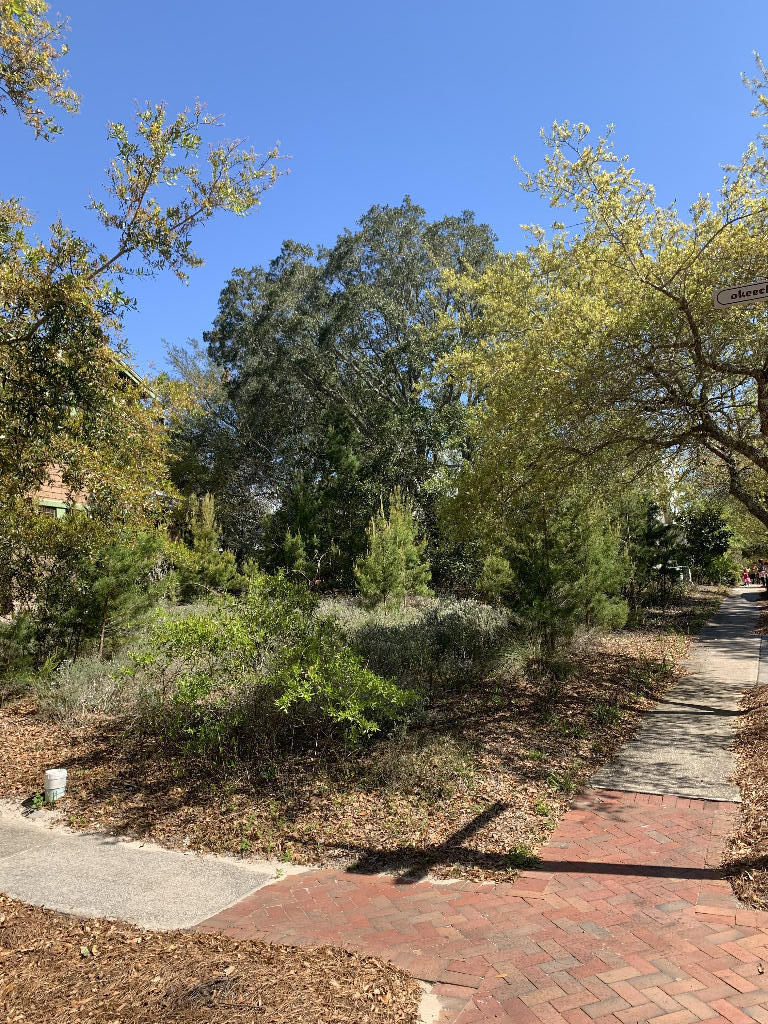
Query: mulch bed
[[54, 967], [747, 857], [531, 745]]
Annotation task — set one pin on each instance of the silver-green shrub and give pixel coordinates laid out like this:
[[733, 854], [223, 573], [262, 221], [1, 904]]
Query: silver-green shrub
[[435, 639]]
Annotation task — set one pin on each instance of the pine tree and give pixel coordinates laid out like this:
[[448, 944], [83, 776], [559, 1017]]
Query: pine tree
[[206, 568], [295, 555], [123, 587], [394, 565], [565, 569], [496, 578]]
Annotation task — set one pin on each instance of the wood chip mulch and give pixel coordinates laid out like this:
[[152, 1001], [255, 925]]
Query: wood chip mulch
[[747, 855], [529, 745], [54, 967]]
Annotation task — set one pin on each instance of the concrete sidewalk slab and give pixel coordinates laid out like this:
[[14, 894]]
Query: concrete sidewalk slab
[[103, 876], [684, 744]]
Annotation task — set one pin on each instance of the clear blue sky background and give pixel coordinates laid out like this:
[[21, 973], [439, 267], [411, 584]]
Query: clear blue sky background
[[375, 100]]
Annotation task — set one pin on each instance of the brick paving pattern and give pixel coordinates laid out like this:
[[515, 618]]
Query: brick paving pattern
[[628, 920]]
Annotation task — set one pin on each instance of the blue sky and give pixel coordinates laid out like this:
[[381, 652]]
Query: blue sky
[[373, 101]]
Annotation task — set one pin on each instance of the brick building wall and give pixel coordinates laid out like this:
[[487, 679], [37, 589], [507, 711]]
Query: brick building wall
[[53, 495]]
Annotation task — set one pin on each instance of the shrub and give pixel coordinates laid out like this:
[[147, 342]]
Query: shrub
[[77, 689], [440, 638], [720, 570], [17, 656], [261, 670]]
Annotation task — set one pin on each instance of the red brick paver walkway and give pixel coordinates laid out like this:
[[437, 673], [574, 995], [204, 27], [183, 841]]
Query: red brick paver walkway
[[627, 921]]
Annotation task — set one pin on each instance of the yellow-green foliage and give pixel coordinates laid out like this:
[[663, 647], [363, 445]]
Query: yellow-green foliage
[[598, 349], [394, 565], [30, 46]]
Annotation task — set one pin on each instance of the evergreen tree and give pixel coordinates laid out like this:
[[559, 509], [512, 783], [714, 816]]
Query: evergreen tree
[[98, 581], [565, 569], [652, 546], [295, 555], [201, 566], [124, 586], [496, 578], [395, 564]]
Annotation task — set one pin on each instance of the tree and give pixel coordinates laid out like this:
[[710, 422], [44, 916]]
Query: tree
[[120, 470], [295, 554], [67, 395], [81, 583], [707, 534], [394, 565], [599, 344], [61, 306], [496, 578], [200, 565], [328, 364], [61, 302], [30, 46], [564, 568]]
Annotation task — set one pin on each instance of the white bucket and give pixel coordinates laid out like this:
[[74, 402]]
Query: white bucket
[[55, 784]]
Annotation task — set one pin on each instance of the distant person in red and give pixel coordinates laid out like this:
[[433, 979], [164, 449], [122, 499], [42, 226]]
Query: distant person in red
[[745, 578]]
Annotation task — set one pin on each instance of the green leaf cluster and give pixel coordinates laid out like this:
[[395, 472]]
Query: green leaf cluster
[[262, 665]]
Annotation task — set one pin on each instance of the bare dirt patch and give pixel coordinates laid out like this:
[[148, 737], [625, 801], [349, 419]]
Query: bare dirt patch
[[512, 749], [55, 967]]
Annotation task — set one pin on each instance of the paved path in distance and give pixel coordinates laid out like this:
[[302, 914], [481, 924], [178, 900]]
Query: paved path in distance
[[684, 744]]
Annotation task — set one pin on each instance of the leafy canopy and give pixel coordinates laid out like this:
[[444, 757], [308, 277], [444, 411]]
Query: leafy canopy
[[321, 381], [60, 301], [598, 350], [30, 47]]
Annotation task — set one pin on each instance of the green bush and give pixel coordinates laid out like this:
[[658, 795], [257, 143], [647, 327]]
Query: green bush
[[566, 570], [721, 570], [435, 639], [260, 670]]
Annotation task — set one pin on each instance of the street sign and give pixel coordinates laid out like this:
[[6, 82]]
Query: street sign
[[735, 295]]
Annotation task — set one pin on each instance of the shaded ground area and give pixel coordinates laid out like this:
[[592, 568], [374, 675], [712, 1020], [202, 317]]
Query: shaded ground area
[[54, 967], [628, 919], [506, 754]]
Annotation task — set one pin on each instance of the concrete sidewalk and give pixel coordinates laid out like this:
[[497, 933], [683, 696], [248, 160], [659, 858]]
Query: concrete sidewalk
[[684, 744], [103, 876]]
